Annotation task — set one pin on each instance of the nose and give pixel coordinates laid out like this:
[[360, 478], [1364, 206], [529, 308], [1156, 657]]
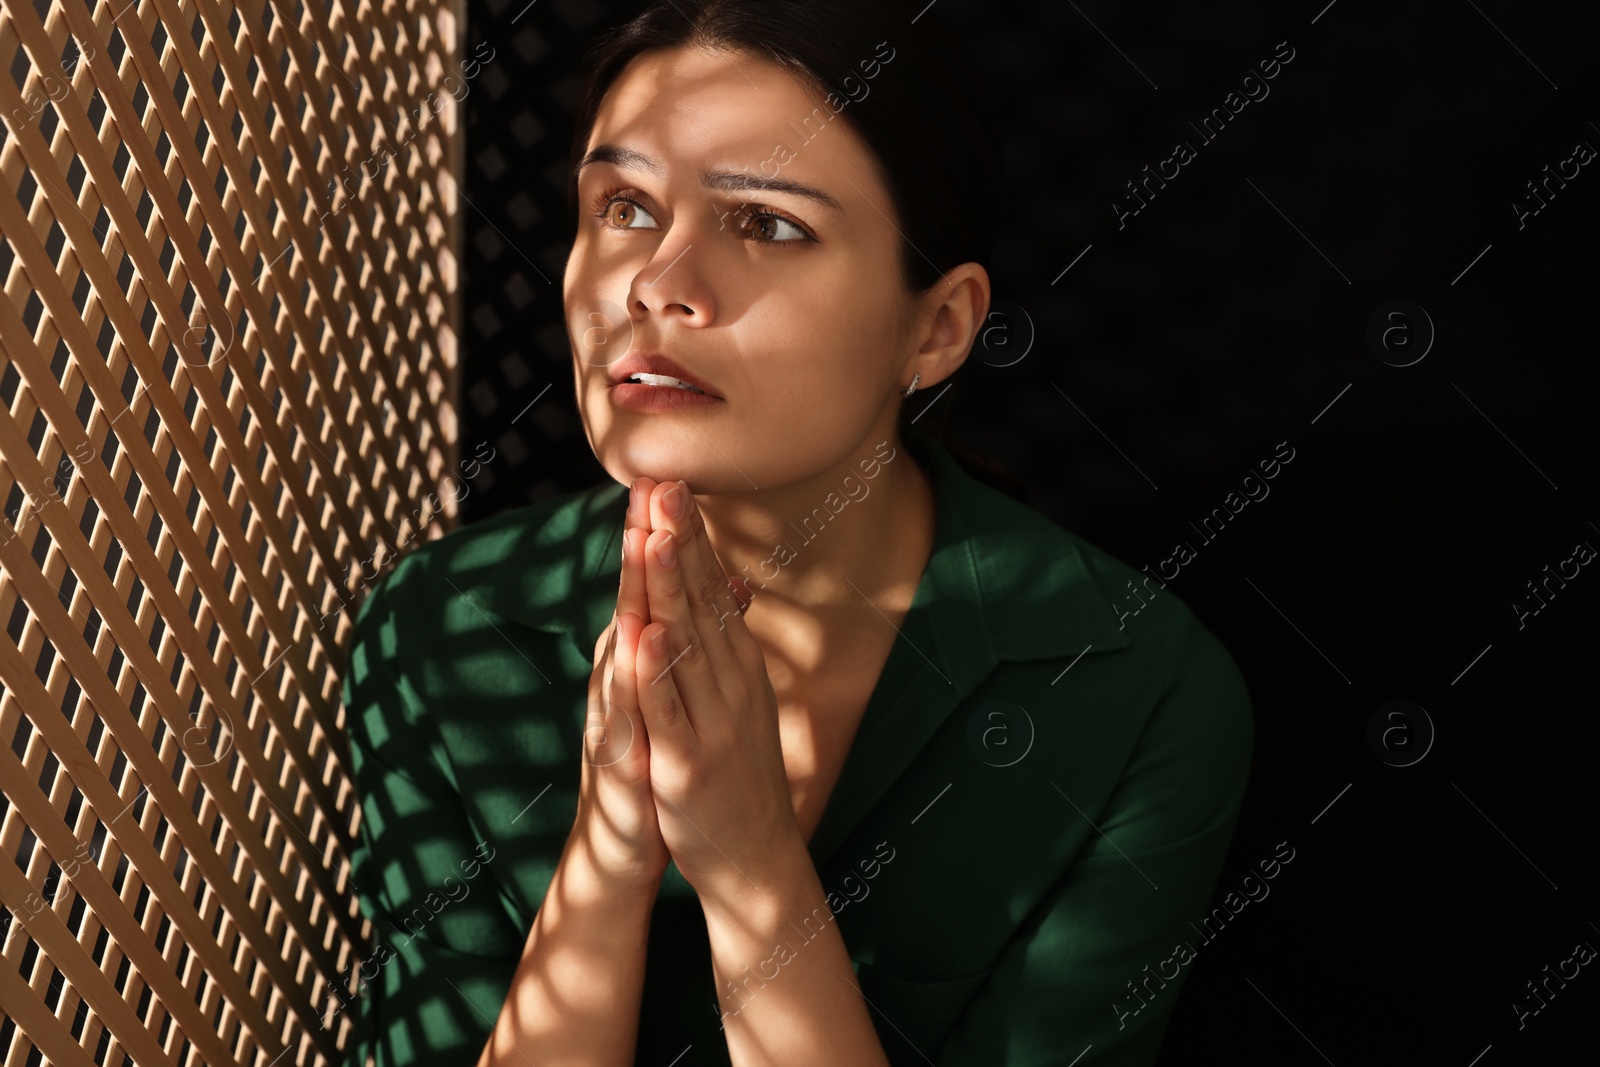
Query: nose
[[672, 284]]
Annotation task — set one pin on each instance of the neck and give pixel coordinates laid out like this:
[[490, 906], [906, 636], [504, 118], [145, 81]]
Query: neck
[[815, 552]]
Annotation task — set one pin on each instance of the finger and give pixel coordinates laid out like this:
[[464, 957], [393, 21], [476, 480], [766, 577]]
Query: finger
[[741, 590], [718, 612], [695, 663], [661, 707], [631, 592], [594, 722], [625, 745]]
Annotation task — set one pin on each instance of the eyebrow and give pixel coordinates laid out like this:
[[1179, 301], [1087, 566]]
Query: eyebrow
[[721, 180]]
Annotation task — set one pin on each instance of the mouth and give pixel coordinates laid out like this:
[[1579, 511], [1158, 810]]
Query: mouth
[[665, 381]]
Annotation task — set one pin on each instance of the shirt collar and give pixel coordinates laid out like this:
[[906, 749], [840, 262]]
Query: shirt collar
[[1003, 582]]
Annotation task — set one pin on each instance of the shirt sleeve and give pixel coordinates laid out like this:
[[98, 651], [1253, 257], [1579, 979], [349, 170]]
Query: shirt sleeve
[[1096, 969], [433, 981]]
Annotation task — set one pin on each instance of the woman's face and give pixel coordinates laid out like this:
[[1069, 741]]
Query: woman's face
[[788, 308]]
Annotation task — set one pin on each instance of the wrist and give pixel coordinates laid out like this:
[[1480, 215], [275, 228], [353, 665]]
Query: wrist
[[787, 882], [605, 871]]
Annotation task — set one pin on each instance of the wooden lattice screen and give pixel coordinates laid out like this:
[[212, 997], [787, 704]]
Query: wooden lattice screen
[[227, 236]]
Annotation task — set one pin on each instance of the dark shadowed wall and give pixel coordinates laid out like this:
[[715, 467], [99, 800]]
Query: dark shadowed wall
[[1383, 267]]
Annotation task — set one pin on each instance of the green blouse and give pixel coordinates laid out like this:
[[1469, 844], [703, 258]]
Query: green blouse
[[1032, 815]]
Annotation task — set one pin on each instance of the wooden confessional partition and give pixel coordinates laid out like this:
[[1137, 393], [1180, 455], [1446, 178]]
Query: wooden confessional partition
[[228, 238]]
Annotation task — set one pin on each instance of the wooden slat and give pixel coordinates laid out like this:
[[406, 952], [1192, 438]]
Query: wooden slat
[[227, 380]]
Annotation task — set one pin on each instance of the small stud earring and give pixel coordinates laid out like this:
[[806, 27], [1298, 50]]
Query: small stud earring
[[913, 386]]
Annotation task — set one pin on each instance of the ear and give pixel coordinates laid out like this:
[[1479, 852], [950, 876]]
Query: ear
[[950, 316]]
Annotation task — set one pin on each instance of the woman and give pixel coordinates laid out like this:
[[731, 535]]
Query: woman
[[910, 776]]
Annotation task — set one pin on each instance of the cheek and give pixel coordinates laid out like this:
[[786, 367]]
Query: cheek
[[572, 273], [599, 331], [827, 348], [812, 378], [595, 321]]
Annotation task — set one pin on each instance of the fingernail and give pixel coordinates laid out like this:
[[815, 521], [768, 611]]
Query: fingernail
[[667, 552], [658, 642], [677, 502]]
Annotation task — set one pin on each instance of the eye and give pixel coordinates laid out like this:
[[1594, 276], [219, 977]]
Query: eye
[[756, 222], [769, 224], [608, 200]]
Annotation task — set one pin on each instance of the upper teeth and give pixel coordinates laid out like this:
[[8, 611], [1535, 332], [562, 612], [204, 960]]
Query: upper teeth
[[664, 379]]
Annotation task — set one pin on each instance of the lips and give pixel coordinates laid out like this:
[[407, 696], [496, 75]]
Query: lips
[[654, 363]]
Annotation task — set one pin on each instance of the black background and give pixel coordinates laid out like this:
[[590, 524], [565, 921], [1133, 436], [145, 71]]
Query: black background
[[1229, 315]]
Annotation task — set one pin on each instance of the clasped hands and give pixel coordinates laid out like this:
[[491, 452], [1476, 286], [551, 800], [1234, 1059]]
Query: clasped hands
[[682, 755]]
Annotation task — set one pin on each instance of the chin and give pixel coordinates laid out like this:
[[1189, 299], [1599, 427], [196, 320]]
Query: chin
[[661, 462]]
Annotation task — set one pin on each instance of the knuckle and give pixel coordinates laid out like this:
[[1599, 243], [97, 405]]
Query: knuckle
[[703, 592], [696, 534], [674, 583], [694, 652], [670, 713]]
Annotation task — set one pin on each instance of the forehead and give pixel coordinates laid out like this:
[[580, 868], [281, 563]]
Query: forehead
[[693, 107]]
